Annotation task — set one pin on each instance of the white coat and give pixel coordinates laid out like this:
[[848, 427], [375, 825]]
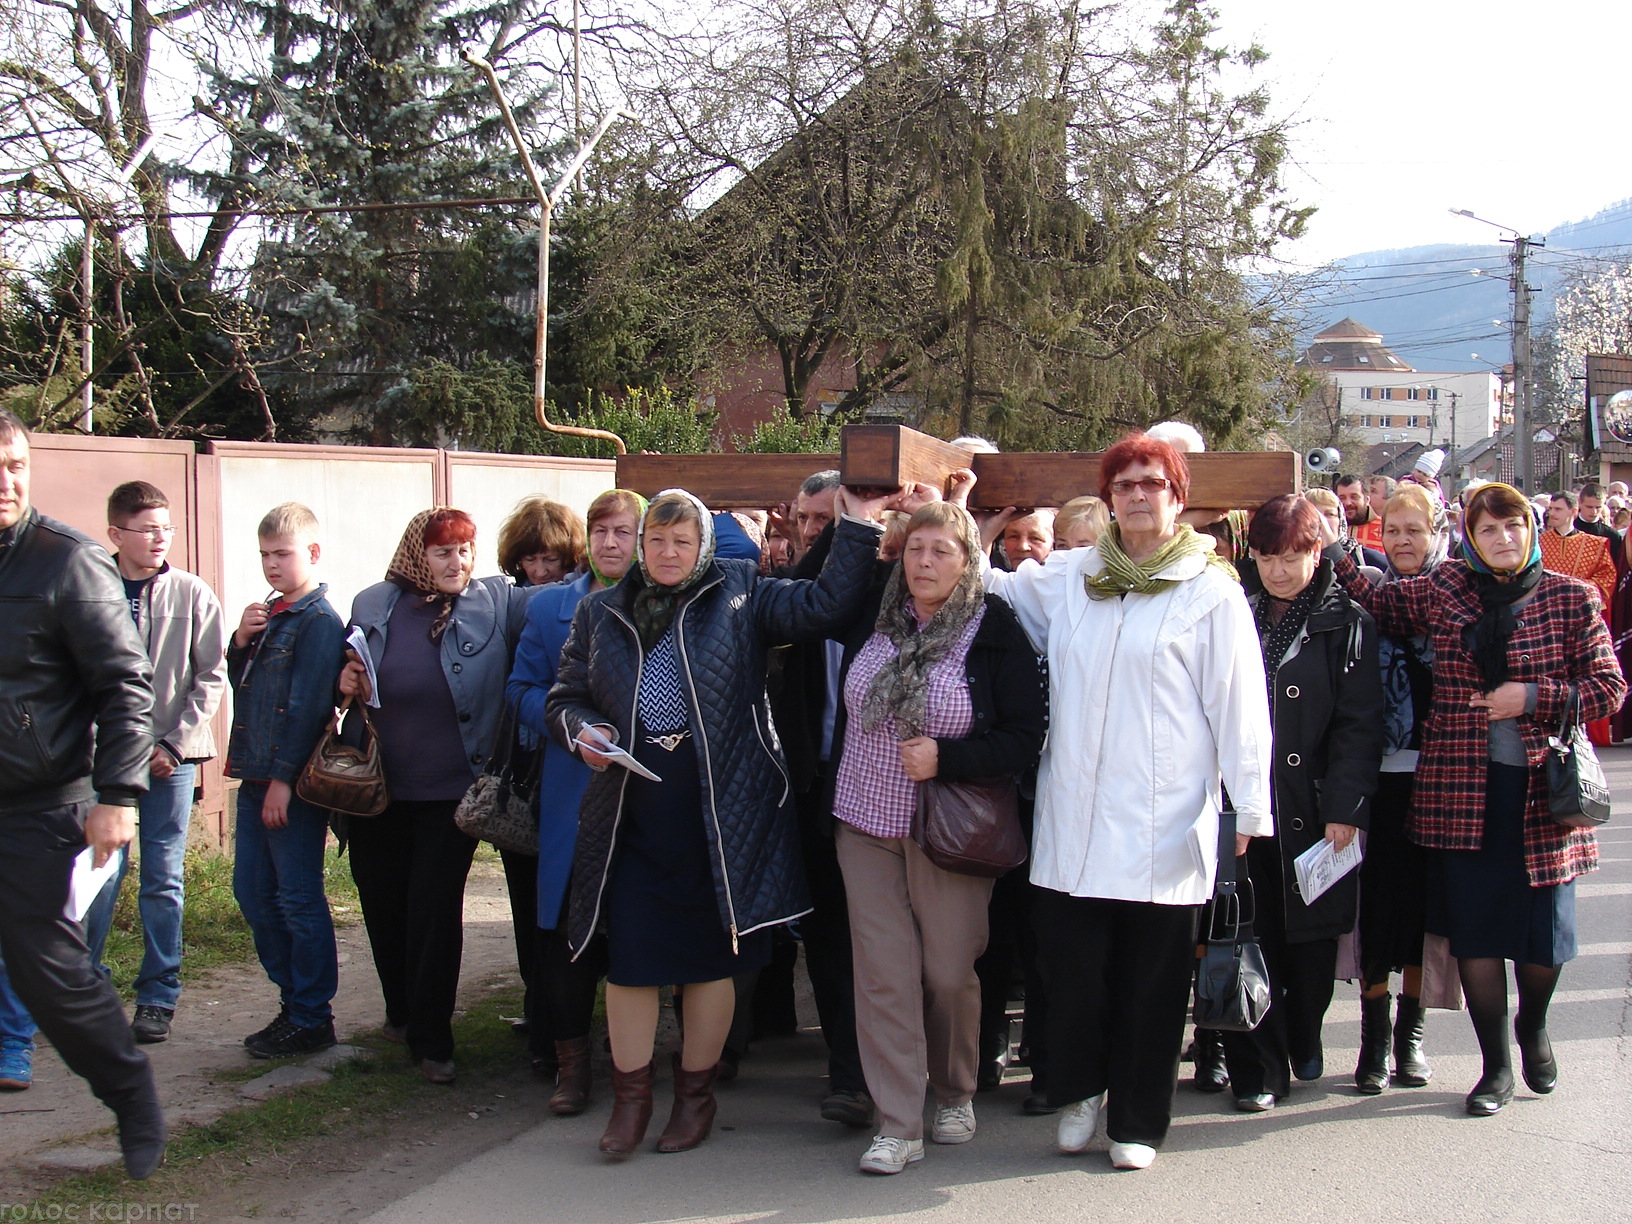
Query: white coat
[[1153, 698]]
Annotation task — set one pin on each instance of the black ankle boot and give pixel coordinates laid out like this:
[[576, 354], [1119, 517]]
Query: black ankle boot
[[1371, 1072], [1410, 1065], [1210, 1073]]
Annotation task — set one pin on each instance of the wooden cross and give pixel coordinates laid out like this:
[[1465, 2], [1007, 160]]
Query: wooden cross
[[885, 456]]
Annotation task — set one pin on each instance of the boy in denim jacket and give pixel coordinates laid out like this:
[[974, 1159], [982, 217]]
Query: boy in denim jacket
[[283, 661]]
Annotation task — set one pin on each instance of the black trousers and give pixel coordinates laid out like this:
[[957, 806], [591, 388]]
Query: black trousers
[[410, 864], [566, 987], [1300, 987], [828, 957], [1119, 975], [1012, 941], [49, 963], [521, 883]]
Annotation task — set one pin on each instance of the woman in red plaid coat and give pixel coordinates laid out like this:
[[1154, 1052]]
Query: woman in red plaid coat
[[1510, 643]]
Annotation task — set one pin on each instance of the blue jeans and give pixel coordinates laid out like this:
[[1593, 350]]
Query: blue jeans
[[15, 1022], [161, 837], [277, 878]]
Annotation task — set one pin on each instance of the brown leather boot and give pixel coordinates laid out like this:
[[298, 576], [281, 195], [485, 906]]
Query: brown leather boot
[[693, 1114], [631, 1110], [571, 1095]]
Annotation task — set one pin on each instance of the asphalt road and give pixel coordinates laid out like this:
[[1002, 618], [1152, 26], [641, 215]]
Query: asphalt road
[[1326, 1154]]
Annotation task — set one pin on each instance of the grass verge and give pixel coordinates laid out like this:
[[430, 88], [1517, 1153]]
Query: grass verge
[[360, 1099], [213, 931]]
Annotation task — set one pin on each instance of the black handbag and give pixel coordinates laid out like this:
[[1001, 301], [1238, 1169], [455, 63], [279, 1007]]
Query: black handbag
[[1232, 980], [501, 806], [1577, 791], [970, 828]]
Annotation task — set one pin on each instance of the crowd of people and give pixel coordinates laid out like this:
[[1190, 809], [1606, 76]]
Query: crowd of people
[[740, 717]]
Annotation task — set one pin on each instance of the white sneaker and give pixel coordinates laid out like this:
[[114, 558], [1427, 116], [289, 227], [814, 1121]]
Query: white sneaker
[[1077, 1125], [890, 1155], [954, 1123], [1132, 1155]]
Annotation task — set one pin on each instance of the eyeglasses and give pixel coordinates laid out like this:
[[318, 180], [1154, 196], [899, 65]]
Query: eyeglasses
[[1152, 485], [152, 533]]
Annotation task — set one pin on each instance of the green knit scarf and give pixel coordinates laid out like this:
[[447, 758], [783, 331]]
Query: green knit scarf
[[1123, 575]]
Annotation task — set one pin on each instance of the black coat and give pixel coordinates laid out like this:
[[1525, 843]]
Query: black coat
[[724, 626], [1328, 742], [1008, 690], [70, 663]]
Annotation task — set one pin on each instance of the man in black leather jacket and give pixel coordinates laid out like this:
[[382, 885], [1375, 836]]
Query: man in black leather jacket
[[69, 659]]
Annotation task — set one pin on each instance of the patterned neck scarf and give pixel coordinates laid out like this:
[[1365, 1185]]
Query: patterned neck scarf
[[408, 569], [655, 605], [900, 688], [1123, 575], [1276, 638]]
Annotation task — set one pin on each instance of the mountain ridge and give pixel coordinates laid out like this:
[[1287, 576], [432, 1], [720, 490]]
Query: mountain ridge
[[1439, 303]]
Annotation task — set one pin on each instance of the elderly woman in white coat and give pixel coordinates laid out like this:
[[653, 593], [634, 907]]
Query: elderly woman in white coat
[[1156, 694]]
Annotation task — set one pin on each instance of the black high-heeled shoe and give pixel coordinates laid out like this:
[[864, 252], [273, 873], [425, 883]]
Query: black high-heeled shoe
[[1491, 1093], [1536, 1058]]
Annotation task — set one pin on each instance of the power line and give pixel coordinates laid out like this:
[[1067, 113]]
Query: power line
[[404, 206]]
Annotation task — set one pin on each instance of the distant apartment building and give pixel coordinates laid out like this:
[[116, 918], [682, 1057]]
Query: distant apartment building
[[1386, 400]]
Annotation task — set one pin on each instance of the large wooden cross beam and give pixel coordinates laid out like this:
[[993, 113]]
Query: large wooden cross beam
[[884, 456]]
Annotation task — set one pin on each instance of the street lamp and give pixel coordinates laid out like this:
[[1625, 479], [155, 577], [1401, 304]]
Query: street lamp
[[547, 201]]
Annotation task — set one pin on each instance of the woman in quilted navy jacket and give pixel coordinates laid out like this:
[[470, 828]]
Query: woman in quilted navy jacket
[[1512, 644], [688, 866]]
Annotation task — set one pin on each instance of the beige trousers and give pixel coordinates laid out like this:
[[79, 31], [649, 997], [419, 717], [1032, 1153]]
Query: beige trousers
[[916, 931]]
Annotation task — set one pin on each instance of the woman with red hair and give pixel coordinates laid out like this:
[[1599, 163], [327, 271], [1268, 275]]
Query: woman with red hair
[[1156, 691], [441, 647]]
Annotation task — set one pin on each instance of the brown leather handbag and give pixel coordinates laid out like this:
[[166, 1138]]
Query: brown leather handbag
[[970, 828], [342, 778]]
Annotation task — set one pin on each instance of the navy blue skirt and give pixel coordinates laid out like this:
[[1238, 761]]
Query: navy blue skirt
[[663, 922], [1482, 900]]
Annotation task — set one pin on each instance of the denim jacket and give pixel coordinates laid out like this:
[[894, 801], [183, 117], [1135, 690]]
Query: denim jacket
[[283, 693]]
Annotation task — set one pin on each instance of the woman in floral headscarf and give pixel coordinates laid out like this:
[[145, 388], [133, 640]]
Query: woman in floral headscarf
[[688, 863], [1512, 643], [441, 650], [1393, 875]]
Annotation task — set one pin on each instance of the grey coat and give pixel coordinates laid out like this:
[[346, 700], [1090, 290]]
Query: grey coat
[[487, 620], [724, 626]]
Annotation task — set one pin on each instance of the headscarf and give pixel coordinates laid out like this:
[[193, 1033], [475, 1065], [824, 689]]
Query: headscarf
[[409, 570], [655, 605], [900, 688], [1397, 655], [1439, 547], [1499, 590], [589, 557], [1123, 575]]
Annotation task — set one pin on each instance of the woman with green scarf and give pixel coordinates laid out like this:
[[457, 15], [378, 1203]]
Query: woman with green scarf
[[1156, 694], [560, 1000], [687, 863], [1513, 646]]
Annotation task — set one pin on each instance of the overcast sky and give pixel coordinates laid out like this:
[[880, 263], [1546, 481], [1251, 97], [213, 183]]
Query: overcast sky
[[1409, 108]]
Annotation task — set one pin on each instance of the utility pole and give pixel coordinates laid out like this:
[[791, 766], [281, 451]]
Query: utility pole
[[1523, 435], [1454, 489]]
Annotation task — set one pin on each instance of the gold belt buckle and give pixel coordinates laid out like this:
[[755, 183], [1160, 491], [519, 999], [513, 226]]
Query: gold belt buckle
[[668, 742]]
